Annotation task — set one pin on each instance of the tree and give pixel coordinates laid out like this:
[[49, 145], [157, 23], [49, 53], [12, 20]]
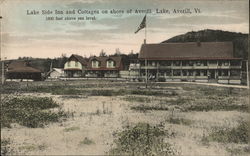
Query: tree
[[102, 53]]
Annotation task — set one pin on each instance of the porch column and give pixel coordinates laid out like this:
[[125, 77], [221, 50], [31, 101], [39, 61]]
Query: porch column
[[157, 72]]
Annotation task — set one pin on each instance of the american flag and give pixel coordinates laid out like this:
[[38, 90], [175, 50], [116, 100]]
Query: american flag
[[142, 25]]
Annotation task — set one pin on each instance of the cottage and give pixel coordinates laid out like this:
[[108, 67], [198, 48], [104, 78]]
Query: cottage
[[201, 62], [55, 73], [104, 66], [75, 66], [22, 70]]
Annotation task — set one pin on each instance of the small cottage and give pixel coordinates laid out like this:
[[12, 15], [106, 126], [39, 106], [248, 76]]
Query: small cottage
[[75, 66]]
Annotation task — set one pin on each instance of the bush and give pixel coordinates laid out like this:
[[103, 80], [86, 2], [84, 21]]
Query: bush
[[238, 134], [142, 139], [6, 149], [145, 108], [87, 141], [29, 111], [179, 121]]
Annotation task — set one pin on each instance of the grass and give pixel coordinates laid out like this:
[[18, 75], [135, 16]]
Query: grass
[[238, 134], [71, 129], [86, 141], [144, 108], [33, 147], [142, 139], [137, 99], [179, 121], [216, 103], [6, 149], [30, 111]]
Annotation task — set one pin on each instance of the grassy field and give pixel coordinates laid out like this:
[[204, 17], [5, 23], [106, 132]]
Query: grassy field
[[116, 118]]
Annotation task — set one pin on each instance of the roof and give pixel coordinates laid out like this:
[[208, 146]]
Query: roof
[[103, 60], [82, 60], [59, 70], [21, 67], [188, 50]]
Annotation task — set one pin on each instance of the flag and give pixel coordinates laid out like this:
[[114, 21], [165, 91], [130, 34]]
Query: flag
[[142, 25]]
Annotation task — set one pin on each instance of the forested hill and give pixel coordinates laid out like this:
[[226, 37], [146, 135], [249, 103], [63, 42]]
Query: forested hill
[[240, 40]]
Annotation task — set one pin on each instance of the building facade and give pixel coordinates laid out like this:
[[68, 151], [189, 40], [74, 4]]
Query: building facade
[[194, 61], [55, 73], [104, 67], [22, 70], [75, 66]]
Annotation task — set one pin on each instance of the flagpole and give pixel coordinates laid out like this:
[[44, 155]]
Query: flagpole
[[146, 62]]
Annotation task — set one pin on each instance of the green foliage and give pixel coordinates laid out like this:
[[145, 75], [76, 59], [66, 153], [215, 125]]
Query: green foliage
[[137, 99], [153, 93], [71, 129], [29, 111], [238, 134], [146, 108], [142, 139], [179, 121], [86, 141], [6, 149], [216, 103]]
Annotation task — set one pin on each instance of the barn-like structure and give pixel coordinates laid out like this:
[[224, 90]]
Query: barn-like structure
[[22, 70]]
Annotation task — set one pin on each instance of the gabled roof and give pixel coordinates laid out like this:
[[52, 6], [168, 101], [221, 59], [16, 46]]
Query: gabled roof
[[21, 67], [189, 50], [83, 61], [59, 70], [103, 60]]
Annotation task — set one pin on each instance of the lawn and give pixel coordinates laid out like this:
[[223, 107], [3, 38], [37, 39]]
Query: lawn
[[105, 117]]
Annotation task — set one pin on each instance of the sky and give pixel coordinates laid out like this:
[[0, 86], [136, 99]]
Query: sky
[[24, 34]]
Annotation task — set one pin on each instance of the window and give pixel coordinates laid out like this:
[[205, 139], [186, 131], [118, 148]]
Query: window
[[110, 64], [68, 64], [95, 64], [76, 64], [177, 72]]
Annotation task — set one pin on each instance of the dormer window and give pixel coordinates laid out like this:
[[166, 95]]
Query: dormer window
[[95, 64], [110, 64]]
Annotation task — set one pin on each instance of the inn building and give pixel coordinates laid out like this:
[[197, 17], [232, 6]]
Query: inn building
[[190, 61], [104, 67]]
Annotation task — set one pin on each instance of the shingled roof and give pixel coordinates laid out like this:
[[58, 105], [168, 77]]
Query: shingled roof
[[189, 50], [21, 67], [103, 60], [83, 61]]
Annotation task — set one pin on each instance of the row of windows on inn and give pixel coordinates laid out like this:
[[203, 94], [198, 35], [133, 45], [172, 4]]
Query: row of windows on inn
[[188, 63], [196, 73]]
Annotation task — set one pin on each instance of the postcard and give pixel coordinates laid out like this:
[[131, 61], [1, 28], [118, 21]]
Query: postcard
[[108, 77]]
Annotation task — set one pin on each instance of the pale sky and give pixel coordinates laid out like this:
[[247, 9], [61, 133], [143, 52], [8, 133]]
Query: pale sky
[[31, 35]]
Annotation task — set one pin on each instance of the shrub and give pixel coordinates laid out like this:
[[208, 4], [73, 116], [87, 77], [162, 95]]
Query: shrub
[[145, 108], [179, 121], [142, 139], [29, 111], [87, 141], [6, 149], [238, 134]]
